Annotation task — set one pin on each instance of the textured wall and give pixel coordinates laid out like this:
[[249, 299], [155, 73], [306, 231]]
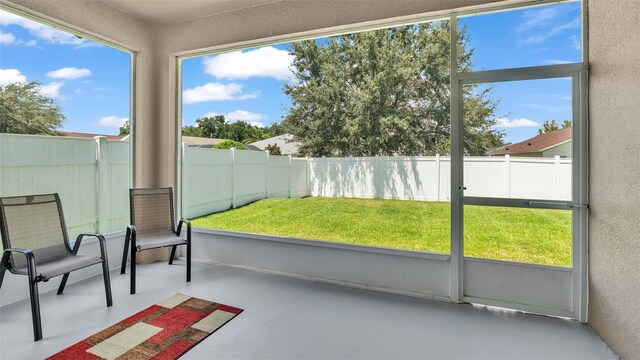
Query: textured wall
[[102, 21], [614, 242]]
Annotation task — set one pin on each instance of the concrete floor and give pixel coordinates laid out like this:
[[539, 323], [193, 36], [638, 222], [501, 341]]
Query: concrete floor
[[295, 319]]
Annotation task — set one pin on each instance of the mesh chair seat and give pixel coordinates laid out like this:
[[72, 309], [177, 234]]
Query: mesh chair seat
[[152, 227], [36, 244], [69, 263], [159, 240]]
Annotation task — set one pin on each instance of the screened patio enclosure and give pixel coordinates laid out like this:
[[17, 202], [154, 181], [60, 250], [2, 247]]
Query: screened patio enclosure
[[599, 287]]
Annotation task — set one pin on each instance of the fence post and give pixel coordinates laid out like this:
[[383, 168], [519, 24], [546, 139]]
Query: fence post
[[437, 179], [184, 213], [290, 177], [376, 178], [308, 189], [266, 177], [507, 175], [325, 170], [556, 188], [102, 197], [233, 177]]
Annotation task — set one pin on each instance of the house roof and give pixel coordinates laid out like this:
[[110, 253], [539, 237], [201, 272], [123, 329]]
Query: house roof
[[535, 144], [285, 143], [201, 141], [88, 135]]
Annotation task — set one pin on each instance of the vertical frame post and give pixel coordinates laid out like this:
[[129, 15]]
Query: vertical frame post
[[580, 197], [457, 256], [102, 195]]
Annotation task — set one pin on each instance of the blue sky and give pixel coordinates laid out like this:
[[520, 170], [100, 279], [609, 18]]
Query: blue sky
[[92, 81], [89, 81]]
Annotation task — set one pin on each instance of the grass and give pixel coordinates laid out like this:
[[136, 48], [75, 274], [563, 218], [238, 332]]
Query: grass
[[524, 235]]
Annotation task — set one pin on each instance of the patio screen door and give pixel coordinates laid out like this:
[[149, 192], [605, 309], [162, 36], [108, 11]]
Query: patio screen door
[[537, 261]]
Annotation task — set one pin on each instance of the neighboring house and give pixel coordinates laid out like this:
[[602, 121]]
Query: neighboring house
[[201, 142], [549, 144], [91, 136], [285, 143], [208, 143]]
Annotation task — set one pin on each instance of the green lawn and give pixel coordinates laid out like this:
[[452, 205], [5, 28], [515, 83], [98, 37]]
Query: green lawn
[[524, 235]]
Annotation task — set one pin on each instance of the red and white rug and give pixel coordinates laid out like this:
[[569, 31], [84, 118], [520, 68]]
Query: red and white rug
[[166, 330]]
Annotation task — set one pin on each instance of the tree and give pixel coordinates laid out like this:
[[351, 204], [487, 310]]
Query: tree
[[124, 129], [24, 110], [553, 126], [211, 126], [384, 92], [228, 144], [192, 131], [273, 149]]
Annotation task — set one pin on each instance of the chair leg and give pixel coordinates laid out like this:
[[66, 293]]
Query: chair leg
[[35, 310], [107, 282], [173, 254], [188, 261], [63, 283], [133, 271], [124, 255]]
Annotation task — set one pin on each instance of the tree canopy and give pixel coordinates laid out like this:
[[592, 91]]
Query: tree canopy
[[218, 127], [384, 92], [552, 126], [228, 144], [241, 131], [24, 110]]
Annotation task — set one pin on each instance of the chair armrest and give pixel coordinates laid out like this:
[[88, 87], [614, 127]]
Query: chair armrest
[[188, 223], [101, 240], [26, 252], [131, 231], [31, 259]]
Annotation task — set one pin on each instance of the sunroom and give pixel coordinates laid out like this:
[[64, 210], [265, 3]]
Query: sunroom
[[370, 179]]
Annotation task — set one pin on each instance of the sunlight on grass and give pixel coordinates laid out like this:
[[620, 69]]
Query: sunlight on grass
[[525, 235]]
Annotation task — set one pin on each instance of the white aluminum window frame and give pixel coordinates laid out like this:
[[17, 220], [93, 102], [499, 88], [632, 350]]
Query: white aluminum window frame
[[579, 204]]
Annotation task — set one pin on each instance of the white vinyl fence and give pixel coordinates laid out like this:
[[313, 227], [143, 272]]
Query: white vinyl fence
[[91, 176], [428, 177], [218, 180]]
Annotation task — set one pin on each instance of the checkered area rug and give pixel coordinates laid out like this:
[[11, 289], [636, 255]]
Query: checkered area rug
[[166, 330]]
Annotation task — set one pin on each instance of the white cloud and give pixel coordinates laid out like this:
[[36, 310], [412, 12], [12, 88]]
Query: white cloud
[[51, 89], [112, 121], [10, 76], [256, 124], [515, 123], [41, 31], [10, 39], [243, 115], [7, 38], [540, 24], [215, 92], [555, 62], [575, 42], [262, 62], [537, 18], [69, 73]]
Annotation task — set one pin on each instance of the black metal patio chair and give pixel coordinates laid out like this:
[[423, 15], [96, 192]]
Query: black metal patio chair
[[36, 244], [153, 226]]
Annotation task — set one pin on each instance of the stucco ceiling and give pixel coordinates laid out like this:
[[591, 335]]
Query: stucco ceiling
[[173, 11]]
